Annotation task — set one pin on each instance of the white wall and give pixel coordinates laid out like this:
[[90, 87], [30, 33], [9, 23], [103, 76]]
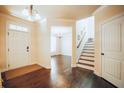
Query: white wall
[[90, 26], [66, 44], [81, 26], [57, 46], [85, 25], [44, 44], [53, 45], [63, 45]]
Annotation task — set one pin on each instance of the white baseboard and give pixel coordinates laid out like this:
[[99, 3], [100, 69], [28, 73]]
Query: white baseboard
[[97, 73], [73, 65], [48, 67], [45, 66]]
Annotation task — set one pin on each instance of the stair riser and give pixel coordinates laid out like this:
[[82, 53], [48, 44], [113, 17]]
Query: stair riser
[[87, 54], [85, 67], [86, 62], [89, 58], [92, 49], [88, 50], [89, 47], [89, 42]]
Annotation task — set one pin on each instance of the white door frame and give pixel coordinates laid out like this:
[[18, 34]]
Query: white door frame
[[7, 39], [100, 29]]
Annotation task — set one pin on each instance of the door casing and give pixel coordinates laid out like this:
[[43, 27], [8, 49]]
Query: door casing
[[7, 39]]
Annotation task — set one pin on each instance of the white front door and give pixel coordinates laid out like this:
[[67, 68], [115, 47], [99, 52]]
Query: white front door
[[113, 49], [18, 45]]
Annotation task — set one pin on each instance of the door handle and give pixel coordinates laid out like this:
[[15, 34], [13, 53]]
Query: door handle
[[102, 53], [27, 48]]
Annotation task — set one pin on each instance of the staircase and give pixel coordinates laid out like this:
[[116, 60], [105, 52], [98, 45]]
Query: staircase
[[86, 59]]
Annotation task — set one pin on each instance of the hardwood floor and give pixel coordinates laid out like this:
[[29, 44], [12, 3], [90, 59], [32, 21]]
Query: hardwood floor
[[61, 75], [26, 77]]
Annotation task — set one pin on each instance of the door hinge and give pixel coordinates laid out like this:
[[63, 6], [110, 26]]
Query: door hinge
[[8, 65], [8, 49], [8, 33], [102, 53]]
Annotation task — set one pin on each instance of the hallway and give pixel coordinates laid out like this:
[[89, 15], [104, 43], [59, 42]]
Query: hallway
[[85, 42]]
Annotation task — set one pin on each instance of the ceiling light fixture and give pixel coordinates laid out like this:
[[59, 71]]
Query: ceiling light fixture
[[31, 13], [59, 35]]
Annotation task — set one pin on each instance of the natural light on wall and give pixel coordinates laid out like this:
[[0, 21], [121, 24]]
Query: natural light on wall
[[53, 44], [18, 28]]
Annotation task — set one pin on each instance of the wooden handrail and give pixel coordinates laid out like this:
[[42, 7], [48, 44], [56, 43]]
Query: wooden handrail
[[81, 40]]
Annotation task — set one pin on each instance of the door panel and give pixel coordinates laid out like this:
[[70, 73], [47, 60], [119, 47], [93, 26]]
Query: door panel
[[18, 54], [113, 49]]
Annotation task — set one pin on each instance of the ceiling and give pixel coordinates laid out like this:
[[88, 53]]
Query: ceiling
[[53, 11]]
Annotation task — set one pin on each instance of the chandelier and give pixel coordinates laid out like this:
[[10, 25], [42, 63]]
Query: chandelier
[[31, 13]]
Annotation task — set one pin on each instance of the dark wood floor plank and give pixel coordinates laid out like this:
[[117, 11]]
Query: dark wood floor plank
[[61, 75]]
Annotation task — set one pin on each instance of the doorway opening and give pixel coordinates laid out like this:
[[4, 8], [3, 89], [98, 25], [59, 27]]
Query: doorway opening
[[61, 47]]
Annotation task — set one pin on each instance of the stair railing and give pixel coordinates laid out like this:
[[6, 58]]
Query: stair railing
[[81, 40], [80, 45]]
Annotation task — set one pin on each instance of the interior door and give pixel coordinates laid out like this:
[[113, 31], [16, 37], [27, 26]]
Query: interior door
[[113, 51], [18, 53]]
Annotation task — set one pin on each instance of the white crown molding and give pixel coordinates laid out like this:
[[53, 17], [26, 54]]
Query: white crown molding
[[73, 65]]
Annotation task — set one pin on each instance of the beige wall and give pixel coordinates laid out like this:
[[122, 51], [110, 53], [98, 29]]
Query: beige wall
[[100, 16], [43, 44], [3, 22]]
